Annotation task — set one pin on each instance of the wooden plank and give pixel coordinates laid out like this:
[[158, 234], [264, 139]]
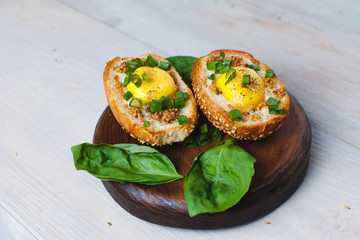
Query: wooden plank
[[52, 96], [305, 43]]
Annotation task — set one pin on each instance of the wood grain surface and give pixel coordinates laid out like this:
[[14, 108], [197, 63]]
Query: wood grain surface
[[53, 54], [281, 163]]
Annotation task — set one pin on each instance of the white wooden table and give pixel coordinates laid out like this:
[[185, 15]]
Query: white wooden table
[[52, 55]]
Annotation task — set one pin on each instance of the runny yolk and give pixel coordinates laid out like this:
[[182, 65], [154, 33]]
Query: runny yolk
[[243, 96], [161, 84]]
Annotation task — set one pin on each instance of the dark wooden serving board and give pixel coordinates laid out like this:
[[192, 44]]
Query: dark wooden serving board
[[281, 163]]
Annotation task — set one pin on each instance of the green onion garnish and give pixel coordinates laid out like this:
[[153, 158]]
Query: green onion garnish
[[273, 101], [156, 105], [139, 61], [126, 81], [179, 103], [212, 76], [132, 64], [217, 135], [269, 73], [146, 77], [151, 62], [146, 124], [190, 142], [256, 67], [224, 69], [136, 103], [202, 140], [272, 107], [246, 79], [129, 71], [280, 111], [221, 57], [183, 95], [227, 62], [235, 115], [136, 80], [275, 110], [127, 95], [165, 65], [210, 65], [166, 103], [182, 119], [230, 75], [203, 128]]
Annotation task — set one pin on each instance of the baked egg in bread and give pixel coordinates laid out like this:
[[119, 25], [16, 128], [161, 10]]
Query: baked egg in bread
[[149, 99], [239, 94]]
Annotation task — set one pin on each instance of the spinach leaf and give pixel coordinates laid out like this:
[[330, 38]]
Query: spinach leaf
[[218, 178], [183, 64], [124, 163]]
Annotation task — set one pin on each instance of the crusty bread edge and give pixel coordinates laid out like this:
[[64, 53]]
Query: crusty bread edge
[[149, 135], [220, 117]]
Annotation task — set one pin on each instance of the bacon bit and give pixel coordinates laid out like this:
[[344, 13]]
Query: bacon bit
[[109, 224]]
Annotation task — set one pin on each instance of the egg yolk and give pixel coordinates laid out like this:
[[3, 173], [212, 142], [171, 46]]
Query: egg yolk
[[161, 84], [243, 96]]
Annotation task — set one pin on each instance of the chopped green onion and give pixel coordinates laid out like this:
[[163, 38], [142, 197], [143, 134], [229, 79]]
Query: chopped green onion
[[179, 103], [129, 71], [126, 81], [218, 67], [146, 124], [139, 61], [224, 69], [136, 103], [235, 115], [273, 101], [221, 57], [183, 95], [210, 65], [280, 111], [136, 80], [256, 67], [246, 79], [277, 110], [146, 77], [166, 103], [231, 75], [269, 73], [132, 64], [204, 128], [217, 135], [202, 140], [272, 107], [182, 119], [151, 62], [212, 76], [165, 65], [190, 142], [156, 105], [127, 95], [227, 62]]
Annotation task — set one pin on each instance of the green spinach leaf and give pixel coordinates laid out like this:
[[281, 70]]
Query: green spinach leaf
[[125, 163], [218, 178], [183, 64]]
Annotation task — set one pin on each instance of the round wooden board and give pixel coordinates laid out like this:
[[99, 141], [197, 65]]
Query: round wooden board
[[281, 163]]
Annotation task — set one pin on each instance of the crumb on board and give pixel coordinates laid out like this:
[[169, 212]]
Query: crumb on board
[[347, 207], [268, 222], [109, 224], [15, 154]]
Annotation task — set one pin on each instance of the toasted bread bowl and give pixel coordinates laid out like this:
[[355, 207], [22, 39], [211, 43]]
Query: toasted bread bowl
[[153, 128], [251, 91]]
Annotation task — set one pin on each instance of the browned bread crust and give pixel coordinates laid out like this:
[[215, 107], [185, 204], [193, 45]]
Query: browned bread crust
[[218, 114], [154, 135]]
